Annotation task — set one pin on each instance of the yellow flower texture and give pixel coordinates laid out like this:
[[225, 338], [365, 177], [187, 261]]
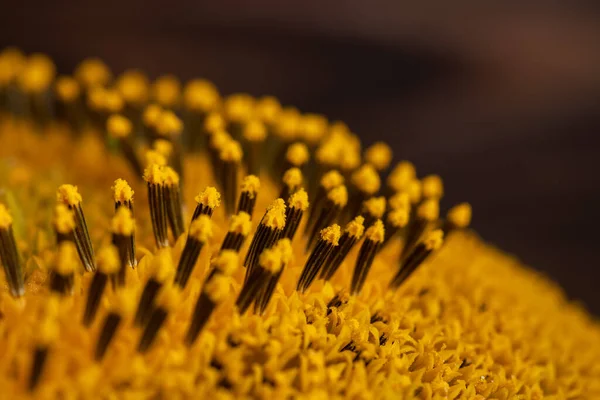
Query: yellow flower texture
[[163, 241]]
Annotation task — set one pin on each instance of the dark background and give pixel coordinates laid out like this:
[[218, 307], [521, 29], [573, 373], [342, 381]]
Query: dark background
[[501, 100]]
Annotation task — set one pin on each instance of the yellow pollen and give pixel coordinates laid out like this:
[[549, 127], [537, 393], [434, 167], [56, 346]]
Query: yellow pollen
[[111, 102], [67, 259], [251, 185], [152, 114], [379, 155], [64, 220], [399, 200], [267, 109], [399, 217], [414, 190], [356, 228], [155, 174], [338, 195], [171, 177], [214, 122], [292, 177], [123, 223], [375, 206], [331, 234], [429, 210], [168, 124], [161, 266], [154, 157], [401, 176], [460, 215], [118, 126], [163, 146], [108, 260], [67, 89], [169, 297], [255, 131], [11, 62], [287, 124], [376, 232], [297, 154], [284, 246], [350, 159], [366, 179], [201, 229], [270, 259], [313, 127], [226, 262], [209, 197], [434, 240], [231, 151], [275, 216], [37, 74], [200, 95], [332, 179], [68, 195], [133, 86], [92, 72], [433, 187], [218, 288], [5, 218], [166, 91], [218, 139], [239, 107], [299, 200], [240, 223]]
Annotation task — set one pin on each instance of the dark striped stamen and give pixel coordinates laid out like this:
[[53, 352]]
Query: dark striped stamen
[[207, 200], [247, 201], [352, 234], [329, 239], [239, 228], [373, 239], [9, 255], [296, 206], [201, 231], [166, 301], [332, 207], [108, 265], [432, 242]]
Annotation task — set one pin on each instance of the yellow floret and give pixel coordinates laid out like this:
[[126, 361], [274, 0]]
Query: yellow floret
[[251, 185], [68, 195], [331, 234], [209, 197], [376, 232], [356, 228], [299, 200], [275, 216], [122, 192]]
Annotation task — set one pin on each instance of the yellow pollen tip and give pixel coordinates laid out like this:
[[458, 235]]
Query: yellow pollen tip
[[152, 114], [166, 90], [171, 177], [292, 177], [214, 122], [64, 220], [92, 72], [37, 74], [433, 187], [239, 107], [240, 223], [255, 131], [218, 288], [366, 179], [434, 240], [299, 200], [200, 95], [226, 262], [231, 151], [5, 218], [402, 174], [118, 126], [267, 109], [67, 89], [331, 180], [168, 124], [338, 195], [154, 157], [67, 259], [414, 190], [122, 192], [399, 217], [331, 234], [376, 232], [356, 227], [275, 216], [313, 127], [399, 200], [218, 139], [163, 146], [201, 229], [108, 260], [288, 123], [270, 259], [155, 173], [375, 206], [169, 297], [161, 266], [297, 154], [68, 195], [460, 215], [429, 210], [123, 223], [209, 197], [133, 86], [251, 185], [285, 248], [379, 155]]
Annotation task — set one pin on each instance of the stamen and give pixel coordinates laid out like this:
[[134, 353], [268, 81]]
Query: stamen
[[64, 267], [400, 200], [296, 206], [267, 109], [217, 141], [92, 72], [239, 228], [268, 232], [155, 176], [373, 239], [366, 183], [247, 201], [123, 195], [69, 196], [166, 91], [432, 242], [216, 288], [373, 209], [200, 97], [297, 155], [230, 157], [379, 155], [313, 128], [214, 122], [427, 214], [284, 246], [268, 265], [329, 239], [328, 181], [123, 231], [121, 310], [120, 128], [292, 181], [134, 87], [201, 231], [167, 300], [46, 334], [150, 117], [173, 202], [433, 187], [254, 134], [207, 200], [169, 127], [458, 217], [238, 108], [330, 211], [396, 220], [352, 234], [9, 255], [161, 270], [108, 265], [68, 93], [64, 223], [402, 174]]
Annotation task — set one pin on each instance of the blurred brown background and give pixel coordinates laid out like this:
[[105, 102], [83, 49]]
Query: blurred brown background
[[501, 100]]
